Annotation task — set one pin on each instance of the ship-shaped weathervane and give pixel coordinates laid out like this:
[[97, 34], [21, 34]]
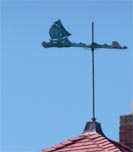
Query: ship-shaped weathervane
[[59, 38]]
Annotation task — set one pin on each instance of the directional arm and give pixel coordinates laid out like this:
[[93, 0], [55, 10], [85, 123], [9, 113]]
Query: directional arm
[[114, 45]]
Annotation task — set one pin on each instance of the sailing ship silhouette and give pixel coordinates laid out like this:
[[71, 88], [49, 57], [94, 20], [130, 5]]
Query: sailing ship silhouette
[[58, 33]]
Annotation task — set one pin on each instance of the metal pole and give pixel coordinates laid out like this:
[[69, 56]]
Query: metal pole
[[93, 75], [92, 33]]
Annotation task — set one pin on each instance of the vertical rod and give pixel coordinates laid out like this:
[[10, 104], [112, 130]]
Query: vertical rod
[[93, 75], [93, 87], [92, 32]]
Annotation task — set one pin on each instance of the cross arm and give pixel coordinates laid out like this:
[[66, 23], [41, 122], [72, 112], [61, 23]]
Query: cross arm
[[114, 45]]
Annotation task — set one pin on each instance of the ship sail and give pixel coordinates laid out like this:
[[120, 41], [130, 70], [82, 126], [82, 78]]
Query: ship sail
[[58, 32]]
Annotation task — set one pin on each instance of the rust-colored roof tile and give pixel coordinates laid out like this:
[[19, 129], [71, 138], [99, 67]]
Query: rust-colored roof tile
[[66, 142], [58, 146], [77, 138]]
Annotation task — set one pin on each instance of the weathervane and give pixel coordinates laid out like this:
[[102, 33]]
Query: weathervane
[[59, 38]]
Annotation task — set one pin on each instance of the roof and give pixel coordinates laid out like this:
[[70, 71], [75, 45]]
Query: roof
[[88, 142]]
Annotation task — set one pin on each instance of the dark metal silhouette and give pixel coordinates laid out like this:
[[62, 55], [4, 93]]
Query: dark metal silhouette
[[59, 38], [57, 32]]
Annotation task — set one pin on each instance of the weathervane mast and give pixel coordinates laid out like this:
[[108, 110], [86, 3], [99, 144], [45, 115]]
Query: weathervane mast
[[93, 75], [59, 38]]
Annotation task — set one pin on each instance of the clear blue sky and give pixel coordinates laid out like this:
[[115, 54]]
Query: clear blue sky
[[46, 93]]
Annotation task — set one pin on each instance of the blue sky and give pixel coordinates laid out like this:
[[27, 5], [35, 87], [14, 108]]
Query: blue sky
[[46, 93]]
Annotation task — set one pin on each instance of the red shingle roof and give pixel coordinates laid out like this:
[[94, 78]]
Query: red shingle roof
[[91, 142]]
